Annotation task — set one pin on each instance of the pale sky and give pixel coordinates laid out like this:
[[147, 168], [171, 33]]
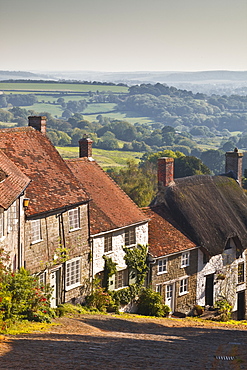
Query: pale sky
[[123, 35]]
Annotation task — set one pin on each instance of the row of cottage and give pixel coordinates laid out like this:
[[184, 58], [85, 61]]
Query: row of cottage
[[195, 228]]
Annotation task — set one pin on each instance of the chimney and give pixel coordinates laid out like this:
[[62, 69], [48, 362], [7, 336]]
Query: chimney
[[38, 122], [234, 164], [85, 147], [165, 171]]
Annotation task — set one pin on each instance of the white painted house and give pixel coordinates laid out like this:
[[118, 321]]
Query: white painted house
[[115, 220]]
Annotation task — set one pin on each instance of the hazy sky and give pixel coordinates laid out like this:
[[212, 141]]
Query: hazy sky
[[123, 35]]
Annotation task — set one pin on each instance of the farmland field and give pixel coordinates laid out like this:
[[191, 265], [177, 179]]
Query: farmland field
[[105, 158], [36, 86]]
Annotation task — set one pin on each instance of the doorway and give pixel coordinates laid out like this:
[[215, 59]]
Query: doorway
[[209, 290], [241, 305], [55, 285], [170, 295]]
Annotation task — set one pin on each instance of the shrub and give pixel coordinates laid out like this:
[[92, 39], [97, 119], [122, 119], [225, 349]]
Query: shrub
[[99, 299], [225, 309], [21, 296], [150, 304]]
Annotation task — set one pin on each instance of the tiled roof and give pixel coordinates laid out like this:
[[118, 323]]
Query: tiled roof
[[12, 181], [164, 237], [53, 186], [110, 208]]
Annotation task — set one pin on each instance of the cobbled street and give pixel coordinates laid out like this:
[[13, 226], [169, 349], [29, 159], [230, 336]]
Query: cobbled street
[[110, 342]]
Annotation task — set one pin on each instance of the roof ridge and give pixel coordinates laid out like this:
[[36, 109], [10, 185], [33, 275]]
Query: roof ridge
[[96, 163]]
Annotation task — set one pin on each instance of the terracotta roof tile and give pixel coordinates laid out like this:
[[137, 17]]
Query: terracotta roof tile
[[110, 208], [53, 186], [164, 237], [12, 182]]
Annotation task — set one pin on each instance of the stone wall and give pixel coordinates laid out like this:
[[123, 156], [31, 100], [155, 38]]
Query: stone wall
[[55, 236], [182, 302]]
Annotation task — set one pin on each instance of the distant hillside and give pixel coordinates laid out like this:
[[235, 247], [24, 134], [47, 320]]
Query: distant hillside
[[21, 75]]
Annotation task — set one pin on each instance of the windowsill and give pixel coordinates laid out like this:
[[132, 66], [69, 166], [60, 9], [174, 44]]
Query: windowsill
[[180, 294], [183, 266], [36, 241], [130, 246], [122, 287], [77, 228], [72, 286], [162, 272], [109, 252]]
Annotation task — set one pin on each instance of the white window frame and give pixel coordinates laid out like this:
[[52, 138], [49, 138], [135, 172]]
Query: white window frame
[[73, 273], [241, 277], [108, 243], [121, 275], [74, 219], [162, 266], [185, 259], [130, 236], [183, 286], [36, 235], [158, 288]]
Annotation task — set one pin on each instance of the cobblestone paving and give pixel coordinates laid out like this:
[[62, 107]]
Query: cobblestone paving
[[106, 342]]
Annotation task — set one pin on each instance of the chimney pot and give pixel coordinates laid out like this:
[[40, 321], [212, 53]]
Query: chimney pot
[[38, 122], [165, 171]]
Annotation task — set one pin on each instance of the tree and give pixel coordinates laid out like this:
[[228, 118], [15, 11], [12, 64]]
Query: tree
[[214, 160], [189, 166]]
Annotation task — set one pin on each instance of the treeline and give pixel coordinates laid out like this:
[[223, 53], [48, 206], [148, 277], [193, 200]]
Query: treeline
[[182, 109], [62, 81]]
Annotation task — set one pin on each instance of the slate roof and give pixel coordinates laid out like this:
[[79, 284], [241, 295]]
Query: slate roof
[[208, 209], [53, 186], [164, 238], [12, 181], [110, 208]]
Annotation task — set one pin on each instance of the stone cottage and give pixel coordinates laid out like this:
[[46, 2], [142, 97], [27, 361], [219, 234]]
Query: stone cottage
[[212, 212], [55, 243], [13, 184]]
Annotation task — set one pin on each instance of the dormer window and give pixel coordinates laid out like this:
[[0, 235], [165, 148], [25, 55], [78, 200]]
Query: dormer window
[[228, 245], [185, 259]]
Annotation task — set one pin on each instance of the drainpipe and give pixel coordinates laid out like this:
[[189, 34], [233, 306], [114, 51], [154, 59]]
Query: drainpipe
[[64, 263]]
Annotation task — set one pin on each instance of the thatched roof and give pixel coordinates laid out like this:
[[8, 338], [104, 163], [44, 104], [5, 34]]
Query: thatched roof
[[208, 209]]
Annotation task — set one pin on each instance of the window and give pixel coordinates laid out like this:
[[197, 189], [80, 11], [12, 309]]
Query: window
[[1, 224], [73, 273], [185, 260], [121, 278], [36, 231], [162, 265], [42, 279], [74, 219], [130, 236], [183, 287], [108, 243], [240, 272], [158, 288]]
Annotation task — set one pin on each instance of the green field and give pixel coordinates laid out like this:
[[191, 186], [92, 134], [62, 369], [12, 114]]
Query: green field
[[105, 158], [63, 87]]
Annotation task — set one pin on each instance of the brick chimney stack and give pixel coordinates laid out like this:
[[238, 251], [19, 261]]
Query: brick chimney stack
[[85, 147], [234, 163], [38, 122], [165, 171]]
